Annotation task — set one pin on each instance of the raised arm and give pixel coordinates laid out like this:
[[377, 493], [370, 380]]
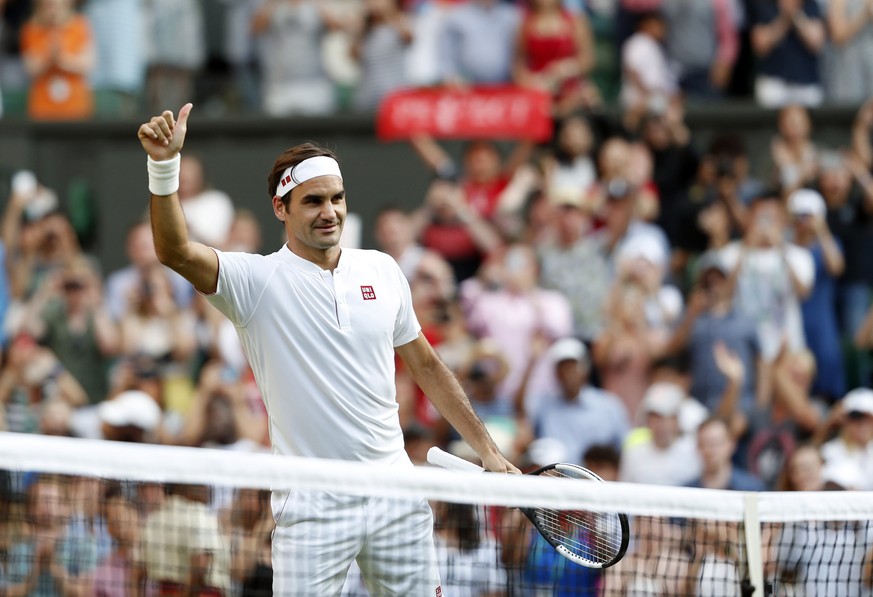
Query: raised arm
[[162, 139]]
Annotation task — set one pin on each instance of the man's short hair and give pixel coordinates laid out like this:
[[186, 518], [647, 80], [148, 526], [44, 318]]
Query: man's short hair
[[602, 454], [290, 158]]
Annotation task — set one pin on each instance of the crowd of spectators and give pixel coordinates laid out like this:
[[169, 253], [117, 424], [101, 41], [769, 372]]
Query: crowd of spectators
[[619, 297], [74, 59]]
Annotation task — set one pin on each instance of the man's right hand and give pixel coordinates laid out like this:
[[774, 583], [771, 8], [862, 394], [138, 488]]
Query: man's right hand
[[162, 137]]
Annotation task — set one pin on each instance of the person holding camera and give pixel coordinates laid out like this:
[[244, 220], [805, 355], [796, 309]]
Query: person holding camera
[[770, 277], [820, 326]]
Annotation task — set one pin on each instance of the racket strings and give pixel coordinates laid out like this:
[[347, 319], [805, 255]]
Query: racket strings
[[593, 536]]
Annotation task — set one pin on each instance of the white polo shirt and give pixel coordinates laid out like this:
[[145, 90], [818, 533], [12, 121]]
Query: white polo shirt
[[321, 346]]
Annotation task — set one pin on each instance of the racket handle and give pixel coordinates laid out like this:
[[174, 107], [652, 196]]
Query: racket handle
[[442, 458]]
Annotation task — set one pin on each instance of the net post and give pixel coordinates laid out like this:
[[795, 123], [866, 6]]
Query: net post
[[752, 533]]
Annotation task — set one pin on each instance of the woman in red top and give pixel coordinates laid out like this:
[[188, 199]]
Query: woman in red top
[[555, 52]]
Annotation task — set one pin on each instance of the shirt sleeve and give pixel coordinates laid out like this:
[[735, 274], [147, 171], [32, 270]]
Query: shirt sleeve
[[406, 326], [241, 283], [801, 263]]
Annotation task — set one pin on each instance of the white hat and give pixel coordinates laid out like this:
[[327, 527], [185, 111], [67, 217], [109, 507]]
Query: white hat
[[133, 407], [643, 246], [568, 349], [663, 398], [859, 400], [806, 202]]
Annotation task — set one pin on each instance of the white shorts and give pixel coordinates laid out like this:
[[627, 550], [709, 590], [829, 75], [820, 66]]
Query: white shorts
[[318, 535]]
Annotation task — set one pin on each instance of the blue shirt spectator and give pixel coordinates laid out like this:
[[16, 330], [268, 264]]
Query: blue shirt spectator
[[787, 38], [477, 42]]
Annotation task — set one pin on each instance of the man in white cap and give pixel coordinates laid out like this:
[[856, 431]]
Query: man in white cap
[[582, 415], [129, 417], [820, 325], [851, 451], [320, 325], [661, 455]]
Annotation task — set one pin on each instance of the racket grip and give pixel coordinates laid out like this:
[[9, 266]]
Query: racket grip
[[442, 458]]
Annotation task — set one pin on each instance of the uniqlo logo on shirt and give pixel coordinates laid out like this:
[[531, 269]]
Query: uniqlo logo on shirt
[[439, 591], [367, 292]]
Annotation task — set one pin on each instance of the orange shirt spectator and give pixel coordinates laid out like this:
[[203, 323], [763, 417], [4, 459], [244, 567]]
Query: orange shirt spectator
[[58, 52]]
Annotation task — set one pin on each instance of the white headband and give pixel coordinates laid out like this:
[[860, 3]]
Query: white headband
[[320, 165]]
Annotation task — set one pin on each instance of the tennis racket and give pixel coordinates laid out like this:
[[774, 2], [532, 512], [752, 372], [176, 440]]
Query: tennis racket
[[590, 539]]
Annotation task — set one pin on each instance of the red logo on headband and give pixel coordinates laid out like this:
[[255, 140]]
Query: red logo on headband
[[286, 180], [368, 293]]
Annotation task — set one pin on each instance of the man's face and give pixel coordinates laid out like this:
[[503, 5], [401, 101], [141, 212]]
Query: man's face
[[715, 446], [315, 215]]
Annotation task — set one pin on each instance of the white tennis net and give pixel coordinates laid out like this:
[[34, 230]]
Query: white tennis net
[[87, 517]]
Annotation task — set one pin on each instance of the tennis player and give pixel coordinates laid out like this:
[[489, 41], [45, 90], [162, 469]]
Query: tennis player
[[320, 326]]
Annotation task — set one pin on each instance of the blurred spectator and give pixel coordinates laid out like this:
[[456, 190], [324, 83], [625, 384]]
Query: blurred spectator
[[380, 49], [803, 470], [787, 38], [250, 523], [662, 455], [620, 201], [31, 380], [712, 329], [571, 248], [655, 563], [716, 445], [220, 416], [603, 461], [67, 315], [118, 574], [582, 415], [704, 43], [245, 233], [209, 212], [476, 42], [37, 237], [239, 51], [808, 211], [119, 73], [486, 178], [792, 150], [448, 225], [51, 557], [849, 455], [514, 313], [732, 159], [847, 64], [289, 35], [155, 326], [624, 351], [809, 552], [176, 39], [772, 277], [395, 235], [466, 554], [569, 166], [675, 163], [648, 78], [59, 54], [184, 549], [642, 261], [783, 418], [554, 52], [140, 249], [131, 416]]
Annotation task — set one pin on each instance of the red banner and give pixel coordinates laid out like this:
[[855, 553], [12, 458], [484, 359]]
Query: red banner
[[485, 112]]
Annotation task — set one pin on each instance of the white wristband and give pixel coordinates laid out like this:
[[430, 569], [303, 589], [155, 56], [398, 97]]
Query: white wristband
[[164, 176]]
